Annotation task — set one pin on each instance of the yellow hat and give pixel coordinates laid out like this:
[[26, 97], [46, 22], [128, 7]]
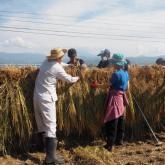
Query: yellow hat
[[56, 53]]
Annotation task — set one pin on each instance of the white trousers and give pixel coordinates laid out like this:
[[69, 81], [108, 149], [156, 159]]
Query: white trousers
[[45, 115]]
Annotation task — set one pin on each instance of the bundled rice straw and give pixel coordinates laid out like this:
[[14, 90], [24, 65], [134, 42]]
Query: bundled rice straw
[[79, 108]]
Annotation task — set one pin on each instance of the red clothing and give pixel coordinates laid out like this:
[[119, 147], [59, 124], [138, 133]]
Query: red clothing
[[115, 105], [94, 85]]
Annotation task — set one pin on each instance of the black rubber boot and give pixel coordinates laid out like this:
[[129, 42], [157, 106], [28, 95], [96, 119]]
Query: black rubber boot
[[119, 139], [51, 157], [58, 157], [40, 142], [109, 145], [119, 143]]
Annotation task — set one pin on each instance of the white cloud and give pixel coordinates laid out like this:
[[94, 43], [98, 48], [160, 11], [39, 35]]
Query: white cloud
[[149, 4], [109, 18], [73, 7], [17, 42], [158, 49]]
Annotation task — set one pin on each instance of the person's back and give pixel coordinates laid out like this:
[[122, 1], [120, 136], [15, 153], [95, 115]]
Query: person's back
[[78, 62], [116, 103], [103, 64], [119, 80], [45, 85], [44, 101], [46, 80]]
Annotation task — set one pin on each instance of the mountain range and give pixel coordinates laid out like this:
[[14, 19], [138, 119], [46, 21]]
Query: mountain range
[[36, 58]]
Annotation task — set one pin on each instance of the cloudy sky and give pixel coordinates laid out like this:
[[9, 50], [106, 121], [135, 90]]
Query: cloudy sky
[[133, 27]]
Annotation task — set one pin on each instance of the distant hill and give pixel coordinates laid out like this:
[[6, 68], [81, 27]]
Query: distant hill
[[21, 58], [35, 58], [143, 60]]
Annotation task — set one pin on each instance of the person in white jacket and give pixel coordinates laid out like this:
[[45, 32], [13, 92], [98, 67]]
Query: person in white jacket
[[44, 101]]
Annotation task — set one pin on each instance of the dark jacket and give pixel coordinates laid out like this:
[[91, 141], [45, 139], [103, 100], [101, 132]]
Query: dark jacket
[[79, 62]]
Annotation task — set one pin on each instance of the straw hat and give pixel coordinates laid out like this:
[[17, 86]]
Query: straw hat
[[118, 59], [56, 53]]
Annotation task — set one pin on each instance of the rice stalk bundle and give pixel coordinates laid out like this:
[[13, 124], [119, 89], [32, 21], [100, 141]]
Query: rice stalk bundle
[[148, 87], [15, 119], [80, 109], [96, 155], [130, 111]]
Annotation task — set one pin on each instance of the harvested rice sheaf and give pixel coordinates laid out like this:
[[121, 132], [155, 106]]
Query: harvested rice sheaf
[[92, 155], [79, 108]]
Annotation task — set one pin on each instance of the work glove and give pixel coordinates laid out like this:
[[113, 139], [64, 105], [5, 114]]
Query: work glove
[[94, 85]]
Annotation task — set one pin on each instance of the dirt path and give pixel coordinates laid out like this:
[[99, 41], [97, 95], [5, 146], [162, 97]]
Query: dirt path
[[137, 153]]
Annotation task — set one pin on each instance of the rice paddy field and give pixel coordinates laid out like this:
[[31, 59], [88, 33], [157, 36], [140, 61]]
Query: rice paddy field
[[80, 110]]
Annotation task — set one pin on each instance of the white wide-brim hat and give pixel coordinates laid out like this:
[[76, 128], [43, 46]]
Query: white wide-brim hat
[[56, 53]]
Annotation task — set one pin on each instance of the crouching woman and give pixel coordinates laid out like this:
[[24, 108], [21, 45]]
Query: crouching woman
[[116, 103]]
